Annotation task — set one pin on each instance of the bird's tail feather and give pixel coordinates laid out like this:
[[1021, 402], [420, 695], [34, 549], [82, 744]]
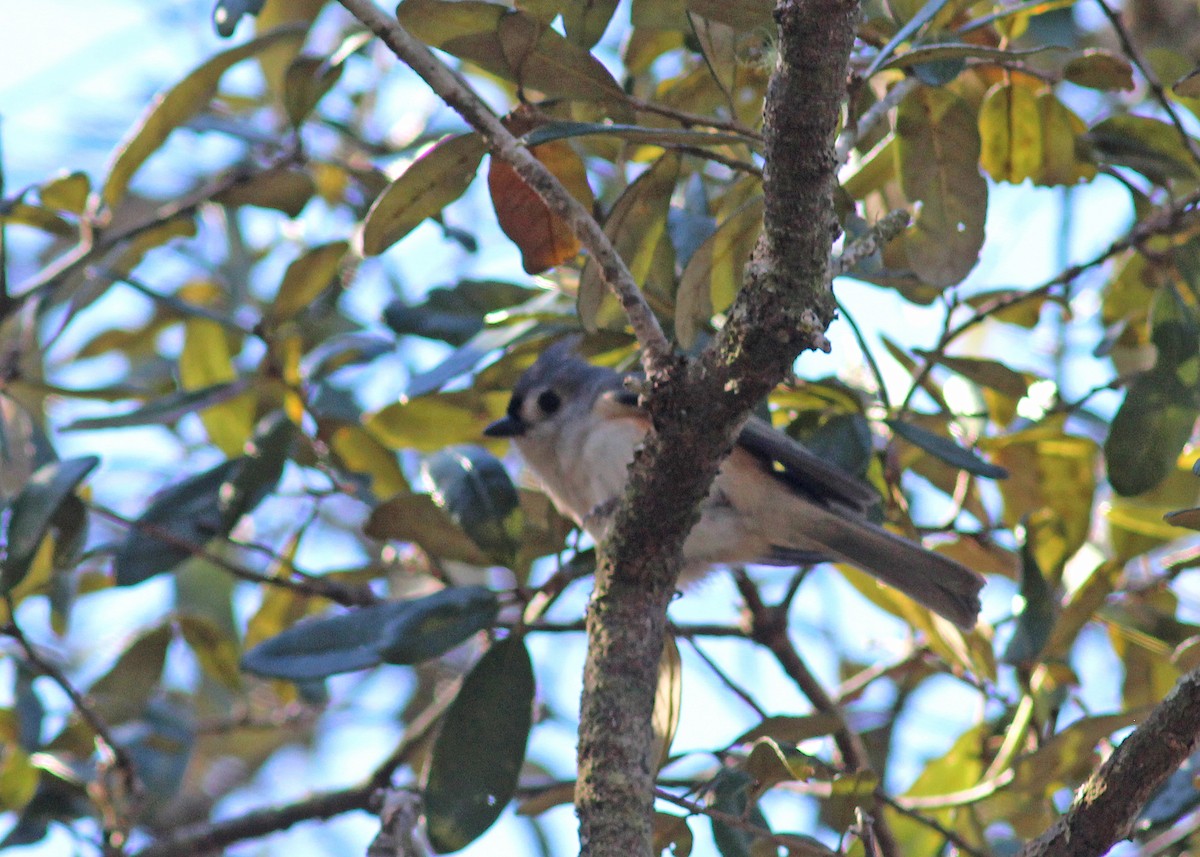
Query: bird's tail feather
[[933, 580]]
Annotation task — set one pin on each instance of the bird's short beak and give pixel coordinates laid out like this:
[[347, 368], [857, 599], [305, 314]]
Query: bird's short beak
[[505, 427]]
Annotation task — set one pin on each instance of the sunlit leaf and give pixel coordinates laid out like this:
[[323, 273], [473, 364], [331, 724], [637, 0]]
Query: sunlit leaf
[[306, 278], [668, 700], [1010, 132], [417, 519], [178, 104], [430, 183], [207, 360], [478, 753], [67, 192], [1150, 146], [635, 225], [586, 22]]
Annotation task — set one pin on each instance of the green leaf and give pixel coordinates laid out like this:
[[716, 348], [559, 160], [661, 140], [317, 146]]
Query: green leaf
[[1150, 146], [176, 106], [716, 269], [1100, 69], [731, 794], [434, 625], [479, 752], [122, 693], [562, 129], [985, 373], [260, 468], [937, 159], [668, 701], [67, 192], [1036, 614], [1010, 132], [586, 22], [397, 632], [1148, 432], [415, 518], [227, 14], [792, 729], [306, 278], [457, 313], [742, 15], [472, 486], [434, 180], [284, 188], [180, 520], [947, 450], [429, 423], [515, 46], [165, 409], [33, 514], [308, 78], [464, 359], [635, 226]]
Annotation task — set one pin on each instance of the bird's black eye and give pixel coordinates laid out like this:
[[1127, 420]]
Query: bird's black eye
[[549, 402]]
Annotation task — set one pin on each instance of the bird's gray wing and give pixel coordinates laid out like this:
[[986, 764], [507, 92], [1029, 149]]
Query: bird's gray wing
[[804, 471]]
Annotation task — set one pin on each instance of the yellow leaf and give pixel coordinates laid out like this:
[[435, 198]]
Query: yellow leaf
[[1010, 132], [430, 183], [306, 278], [178, 104], [206, 359]]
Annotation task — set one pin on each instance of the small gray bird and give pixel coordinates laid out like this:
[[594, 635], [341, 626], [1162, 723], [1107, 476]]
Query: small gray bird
[[773, 501]]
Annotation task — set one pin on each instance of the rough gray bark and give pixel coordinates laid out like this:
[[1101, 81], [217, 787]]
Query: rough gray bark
[[783, 308]]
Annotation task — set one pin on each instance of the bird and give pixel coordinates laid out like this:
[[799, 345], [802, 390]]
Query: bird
[[774, 502]]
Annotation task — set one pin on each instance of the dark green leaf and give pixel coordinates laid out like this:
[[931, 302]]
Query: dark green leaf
[[563, 129], [1148, 432], [166, 409], [479, 752], [261, 467], [321, 647], [33, 512], [434, 625], [179, 521], [123, 692], [947, 450], [472, 485], [731, 791], [227, 14], [1035, 616], [1150, 146], [455, 314]]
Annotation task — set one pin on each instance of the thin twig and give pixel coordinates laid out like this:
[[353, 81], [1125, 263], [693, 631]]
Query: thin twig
[[454, 91], [340, 593], [736, 689], [794, 844], [105, 742], [1160, 93], [932, 823], [854, 134]]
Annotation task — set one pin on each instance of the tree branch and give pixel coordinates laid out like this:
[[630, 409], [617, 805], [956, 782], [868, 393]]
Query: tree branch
[[696, 409], [1108, 804], [455, 92]]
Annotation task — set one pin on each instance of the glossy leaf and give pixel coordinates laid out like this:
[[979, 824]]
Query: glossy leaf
[[454, 314], [429, 423], [437, 178], [435, 624], [324, 646], [479, 752], [562, 130], [947, 450], [33, 514], [258, 470], [175, 106], [473, 487], [937, 152], [306, 278], [180, 520]]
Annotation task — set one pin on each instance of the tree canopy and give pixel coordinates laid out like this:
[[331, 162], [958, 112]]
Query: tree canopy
[[247, 507]]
